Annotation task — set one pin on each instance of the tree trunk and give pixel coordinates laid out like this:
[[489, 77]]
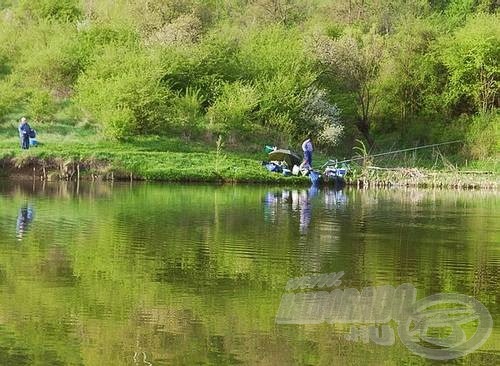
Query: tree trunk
[[364, 128]]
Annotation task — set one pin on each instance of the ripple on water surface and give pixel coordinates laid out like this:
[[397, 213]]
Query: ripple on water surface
[[173, 274]]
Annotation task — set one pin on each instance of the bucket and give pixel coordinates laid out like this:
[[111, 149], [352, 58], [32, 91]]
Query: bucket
[[268, 149]]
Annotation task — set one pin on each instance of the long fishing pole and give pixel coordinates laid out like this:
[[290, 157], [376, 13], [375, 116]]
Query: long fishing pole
[[391, 152]]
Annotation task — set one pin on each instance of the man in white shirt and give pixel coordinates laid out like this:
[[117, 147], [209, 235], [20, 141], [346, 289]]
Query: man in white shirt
[[307, 147]]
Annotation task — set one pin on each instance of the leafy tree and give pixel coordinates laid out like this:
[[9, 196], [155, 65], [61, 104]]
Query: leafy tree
[[276, 60], [411, 77], [205, 66], [355, 62], [472, 58]]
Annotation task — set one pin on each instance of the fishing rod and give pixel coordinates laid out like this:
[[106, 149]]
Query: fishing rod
[[390, 152]]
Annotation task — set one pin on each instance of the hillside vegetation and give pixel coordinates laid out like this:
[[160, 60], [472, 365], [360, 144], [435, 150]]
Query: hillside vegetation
[[391, 72]]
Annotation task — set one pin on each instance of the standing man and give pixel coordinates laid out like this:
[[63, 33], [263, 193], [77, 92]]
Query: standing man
[[307, 147], [24, 133]]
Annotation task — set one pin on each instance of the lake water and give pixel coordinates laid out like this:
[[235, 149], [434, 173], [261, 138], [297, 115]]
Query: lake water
[[150, 274]]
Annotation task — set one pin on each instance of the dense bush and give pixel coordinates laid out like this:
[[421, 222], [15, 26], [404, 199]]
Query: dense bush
[[483, 137], [412, 71], [40, 105], [62, 10], [275, 59], [121, 89], [10, 97], [472, 58], [186, 112], [232, 111]]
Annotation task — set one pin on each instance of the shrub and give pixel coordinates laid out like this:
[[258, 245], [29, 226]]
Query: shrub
[[232, 111], [206, 66], [122, 91], [10, 97], [40, 106], [322, 117], [62, 10], [49, 57], [186, 113], [275, 60], [275, 50], [483, 136], [472, 58]]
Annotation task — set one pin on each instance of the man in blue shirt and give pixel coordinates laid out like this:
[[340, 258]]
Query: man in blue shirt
[[307, 148], [24, 133]]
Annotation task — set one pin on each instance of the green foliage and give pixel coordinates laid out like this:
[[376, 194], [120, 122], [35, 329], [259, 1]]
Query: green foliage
[[10, 97], [4, 67], [483, 136], [408, 75], [40, 106], [457, 10], [232, 111], [273, 50], [363, 153], [472, 57], [355, 61], [48, 57], [122, 90], [276, 60], [389, 71], [186, 113], [61, 10], [204, 67]]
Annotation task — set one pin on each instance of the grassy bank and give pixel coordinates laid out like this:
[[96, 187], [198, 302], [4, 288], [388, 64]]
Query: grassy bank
[[372, 176], [79, 153], [83, 154]]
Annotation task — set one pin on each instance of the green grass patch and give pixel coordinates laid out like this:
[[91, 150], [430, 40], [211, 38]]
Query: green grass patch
[[174, 159]]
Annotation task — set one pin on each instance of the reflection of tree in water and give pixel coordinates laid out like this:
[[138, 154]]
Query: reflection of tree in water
[[62, 190], [195, 298], [24, 219]]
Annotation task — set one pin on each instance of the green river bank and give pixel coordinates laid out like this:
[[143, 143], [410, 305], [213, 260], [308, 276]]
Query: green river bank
[[170, 160]]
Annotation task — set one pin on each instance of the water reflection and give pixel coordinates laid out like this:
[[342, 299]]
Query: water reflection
[[302, 202], [176, 274], [305, 207], [24, 219], [140, 358], [335, 198], [62, 190], [290, 200]]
